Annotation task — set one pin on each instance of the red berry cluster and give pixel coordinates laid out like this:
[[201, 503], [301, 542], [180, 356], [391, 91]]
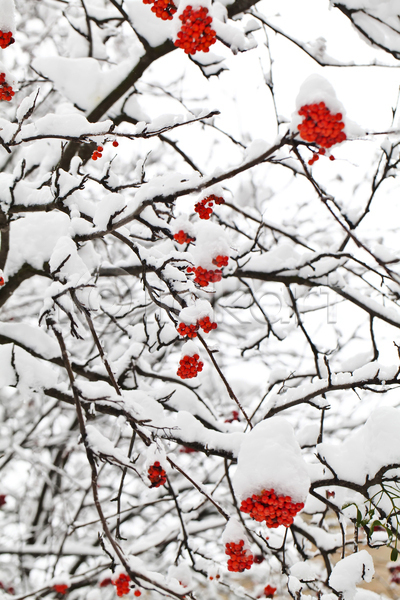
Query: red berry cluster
[[9, 590], [163, 9], [235, 417], [6, 39], [122, 584], [191, 330], [240, 559], [157, 475], [221, 261], [204, 207], [195, 33], [61, 588], [207, 325], [97, 153], [269, 591], [182, 237], [204, 276], [189, 367], [6, 91], [322, 127], [274, 510]]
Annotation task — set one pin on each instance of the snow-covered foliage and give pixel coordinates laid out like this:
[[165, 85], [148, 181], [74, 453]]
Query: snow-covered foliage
[[200, 327]]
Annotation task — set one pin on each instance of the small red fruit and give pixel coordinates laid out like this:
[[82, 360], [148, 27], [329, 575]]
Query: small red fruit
[[60, 588], [269, 591]]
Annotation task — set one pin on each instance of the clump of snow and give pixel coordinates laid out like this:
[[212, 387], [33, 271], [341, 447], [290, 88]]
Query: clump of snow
[[235, 532], [270, 458], [351, 570], [211, 241], [190, 349], [304, 571], [198, 310], [7, 16], [365, 451]]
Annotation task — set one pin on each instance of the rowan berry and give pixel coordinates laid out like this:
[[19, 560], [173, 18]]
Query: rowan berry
[[187, 450], [122, 584], [204, 207], [182, 237], [274, 510], [321, 127], [189, 366], [269, 591], [6, 91], [107, 581], [189, 330], [157, 476], [235, 417], [115, 144], [204, 276], [137, 593], [163, 9], [258, 559], [2, 500], [207, 325], [60, 588], [240, 558], [6, 39], [221, 261], [195, 33]]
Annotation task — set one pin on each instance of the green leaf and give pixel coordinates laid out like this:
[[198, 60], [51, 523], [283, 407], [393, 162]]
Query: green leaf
[[375, 523], [394, 554]]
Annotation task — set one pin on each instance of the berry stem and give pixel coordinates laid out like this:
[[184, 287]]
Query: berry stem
[[228, 387]]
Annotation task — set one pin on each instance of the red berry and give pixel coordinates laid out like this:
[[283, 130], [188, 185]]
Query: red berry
[[195, 33], [2, 500], [274, 510], [157, 477], [189, 366], [115, 144], [60, 588], [100, 149], [183, 238], [122, 584], [321, 127], [269, 591], [6, 39], [240, 559], [137, 593], [105, 582]]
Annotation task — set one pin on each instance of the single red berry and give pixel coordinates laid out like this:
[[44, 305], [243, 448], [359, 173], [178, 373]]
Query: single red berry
[[269, 591], [137, 593], [115, 144], [60, 588]]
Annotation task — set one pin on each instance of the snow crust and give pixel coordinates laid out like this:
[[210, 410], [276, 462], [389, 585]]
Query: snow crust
[[351, 570], [270, 458]]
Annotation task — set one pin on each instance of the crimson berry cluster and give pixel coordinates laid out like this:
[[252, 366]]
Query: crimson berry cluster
[[98, 153], [322, 127], [221, 261], [189, 366], [240, 558], [191, 330], [205, 276], [274, 510], [6, 91], [163, 9], [61, 588], [122, 584], [195, 32], [204, 207], [6, 39], [157, 475], [183, 238]]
